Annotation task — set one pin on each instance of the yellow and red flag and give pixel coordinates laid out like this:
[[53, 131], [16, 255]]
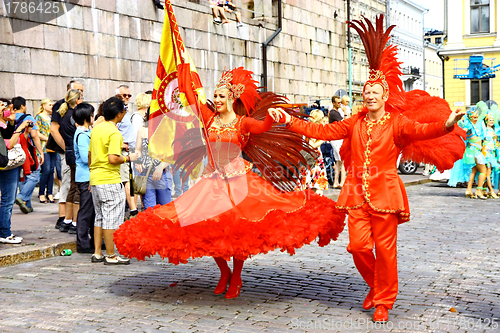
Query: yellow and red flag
[[175, 118], [177, 93]]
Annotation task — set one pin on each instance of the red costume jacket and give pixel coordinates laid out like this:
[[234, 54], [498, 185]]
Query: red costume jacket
[[373, 176]]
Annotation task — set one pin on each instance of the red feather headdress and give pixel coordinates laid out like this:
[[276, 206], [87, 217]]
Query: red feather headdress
[[241, 86], [385, 69]]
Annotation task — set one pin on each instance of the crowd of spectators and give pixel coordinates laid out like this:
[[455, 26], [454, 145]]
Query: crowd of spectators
[[330, 150], [98, 152]]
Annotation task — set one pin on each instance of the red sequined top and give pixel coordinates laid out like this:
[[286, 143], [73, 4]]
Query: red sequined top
[[228, 140]]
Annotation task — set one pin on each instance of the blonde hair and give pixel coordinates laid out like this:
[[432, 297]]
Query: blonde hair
[[70, 99], [142, 101], [42, 103], [316, 116], [344, 98]]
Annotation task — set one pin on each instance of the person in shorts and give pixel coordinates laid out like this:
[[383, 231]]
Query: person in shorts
[[108, 192]]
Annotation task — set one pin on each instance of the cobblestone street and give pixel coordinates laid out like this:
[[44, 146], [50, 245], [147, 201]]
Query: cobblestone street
[[449, 272]]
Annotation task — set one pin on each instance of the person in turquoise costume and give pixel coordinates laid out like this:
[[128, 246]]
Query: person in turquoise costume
[[495, 172], [491, 152], [473, 156]]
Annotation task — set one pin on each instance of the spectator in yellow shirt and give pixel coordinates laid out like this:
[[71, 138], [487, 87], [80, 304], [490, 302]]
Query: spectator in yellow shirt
[[108, 193]]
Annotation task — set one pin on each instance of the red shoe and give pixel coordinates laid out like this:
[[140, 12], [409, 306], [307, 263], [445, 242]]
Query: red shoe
[[234, 290], [368, 303], [381, 315], [222, 285]]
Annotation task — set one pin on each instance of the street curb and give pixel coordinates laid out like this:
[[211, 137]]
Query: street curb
[[33, 253], [420, 181]]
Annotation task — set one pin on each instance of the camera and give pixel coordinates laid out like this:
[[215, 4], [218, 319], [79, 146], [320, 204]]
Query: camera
[[30, 124]]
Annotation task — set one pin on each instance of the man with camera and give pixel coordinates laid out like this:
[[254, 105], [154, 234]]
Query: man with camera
[[27, 186], [9, 179]]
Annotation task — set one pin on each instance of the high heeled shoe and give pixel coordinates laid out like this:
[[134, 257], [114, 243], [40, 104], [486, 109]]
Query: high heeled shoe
[[492, 195], [222, 285], [470, 195], [234, 289], [479, 195]]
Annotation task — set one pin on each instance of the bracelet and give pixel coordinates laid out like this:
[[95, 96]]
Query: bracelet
[[125, 159], [17, 132], [290, 123]]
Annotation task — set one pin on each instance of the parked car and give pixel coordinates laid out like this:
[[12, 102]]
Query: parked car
[[407, 167]]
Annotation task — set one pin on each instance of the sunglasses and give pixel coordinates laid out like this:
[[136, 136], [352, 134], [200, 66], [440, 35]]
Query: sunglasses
[[125, 95]]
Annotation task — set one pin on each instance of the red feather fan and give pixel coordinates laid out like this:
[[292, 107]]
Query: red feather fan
[[443, 151]]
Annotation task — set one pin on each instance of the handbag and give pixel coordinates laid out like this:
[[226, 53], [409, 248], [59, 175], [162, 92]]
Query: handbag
[[141, 182], [53, 146], [17, 157]]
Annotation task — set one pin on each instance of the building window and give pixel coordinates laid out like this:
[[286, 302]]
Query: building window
[[479, 91], [438, 40], [479, 16]]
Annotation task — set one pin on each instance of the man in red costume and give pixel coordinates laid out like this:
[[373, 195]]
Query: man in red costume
[[373, 194]]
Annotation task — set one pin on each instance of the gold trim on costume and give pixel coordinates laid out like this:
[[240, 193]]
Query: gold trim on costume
[[350, 207], [365, 183], [399, 210]]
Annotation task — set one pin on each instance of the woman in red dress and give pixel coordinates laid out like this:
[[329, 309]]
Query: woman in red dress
[[232, 211]]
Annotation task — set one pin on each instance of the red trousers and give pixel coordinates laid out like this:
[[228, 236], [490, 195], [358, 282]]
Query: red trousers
[[367, 228]]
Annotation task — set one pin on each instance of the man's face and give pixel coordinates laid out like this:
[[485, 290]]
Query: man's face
[[124, 94], [79, 87], [373, 97], [336, 103]]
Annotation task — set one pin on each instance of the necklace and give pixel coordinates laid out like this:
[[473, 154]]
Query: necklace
[[378, 121], [219, 123]]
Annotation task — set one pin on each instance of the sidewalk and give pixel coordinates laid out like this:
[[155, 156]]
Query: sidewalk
[[42, 240]]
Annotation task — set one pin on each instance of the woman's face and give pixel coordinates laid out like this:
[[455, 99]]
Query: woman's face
[[345, 102], [473, 118], [48, 107], [491, 122], [221, 100]]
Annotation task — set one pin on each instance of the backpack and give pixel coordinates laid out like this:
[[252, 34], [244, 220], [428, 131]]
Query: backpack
[[20, 120], [4, 157]]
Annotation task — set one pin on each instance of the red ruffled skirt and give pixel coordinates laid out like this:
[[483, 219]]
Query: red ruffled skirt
[[251, 217]]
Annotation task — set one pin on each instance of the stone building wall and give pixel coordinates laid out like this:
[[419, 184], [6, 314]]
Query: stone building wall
[[108, 42]]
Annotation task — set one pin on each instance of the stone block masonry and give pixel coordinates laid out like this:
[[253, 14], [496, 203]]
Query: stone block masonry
[[105, 43]]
